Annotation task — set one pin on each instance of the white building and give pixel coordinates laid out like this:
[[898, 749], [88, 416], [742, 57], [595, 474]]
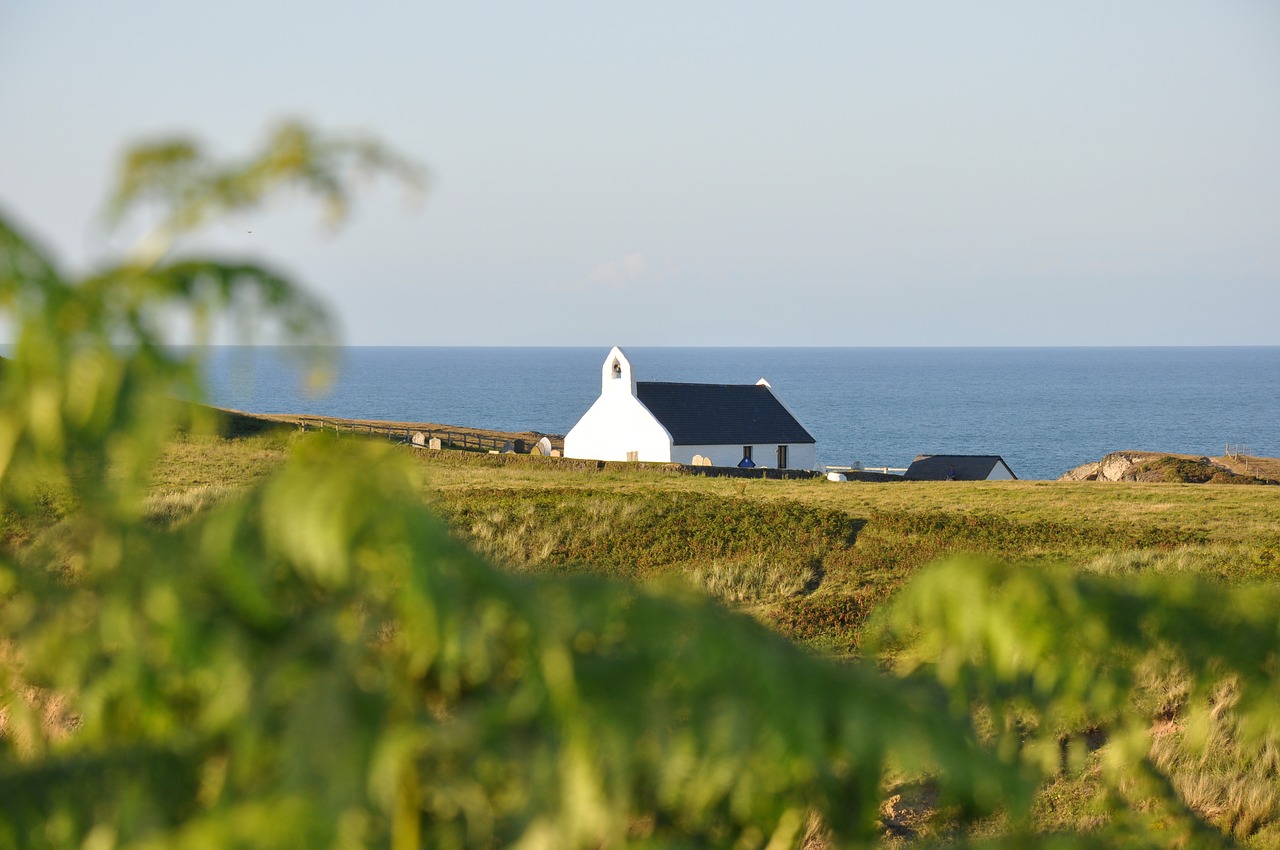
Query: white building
[[670, 422]]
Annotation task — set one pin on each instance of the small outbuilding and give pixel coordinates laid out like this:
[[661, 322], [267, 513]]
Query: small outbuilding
[[725, 424], [959, 468]]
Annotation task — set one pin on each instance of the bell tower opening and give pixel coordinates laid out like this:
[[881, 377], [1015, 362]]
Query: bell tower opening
[[616, 374]]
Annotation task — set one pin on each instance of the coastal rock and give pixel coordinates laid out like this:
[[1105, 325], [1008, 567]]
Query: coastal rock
[[1161, 467], [1115, 466], [1083, 472], [1112, 467]]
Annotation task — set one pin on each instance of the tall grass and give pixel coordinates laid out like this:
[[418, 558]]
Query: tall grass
[[642, 535], [175, 507], [1232, 563], [1234, 786], [198, 471], [756, 578]]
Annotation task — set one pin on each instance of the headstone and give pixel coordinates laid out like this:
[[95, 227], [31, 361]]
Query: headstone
[[418, 439], [536, 451], [434, 444], [837, 476], [544, 447], [508, 447], [518, 447], [698, 459], [555, 453], [706, 461]]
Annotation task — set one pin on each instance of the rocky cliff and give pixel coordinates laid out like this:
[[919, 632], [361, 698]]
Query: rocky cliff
[[1112, 467], [1157, 466]]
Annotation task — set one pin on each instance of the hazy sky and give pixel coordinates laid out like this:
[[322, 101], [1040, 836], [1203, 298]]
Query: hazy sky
[[822, 173]]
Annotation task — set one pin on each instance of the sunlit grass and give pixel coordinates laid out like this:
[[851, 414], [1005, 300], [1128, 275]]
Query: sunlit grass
[[816, 559], [196, 472]]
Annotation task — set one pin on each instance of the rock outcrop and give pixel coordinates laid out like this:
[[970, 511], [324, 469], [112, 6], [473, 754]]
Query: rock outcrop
[[1112, 467], [1159, 467]]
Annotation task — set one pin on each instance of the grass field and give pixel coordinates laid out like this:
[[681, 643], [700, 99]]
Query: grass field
[[812, 556], [815, 559]]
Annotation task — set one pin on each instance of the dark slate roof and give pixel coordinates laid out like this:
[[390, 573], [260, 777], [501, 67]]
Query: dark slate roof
[[720, 414], [967, 467]]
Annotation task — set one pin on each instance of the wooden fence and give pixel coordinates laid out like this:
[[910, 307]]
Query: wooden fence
[[464, 440]]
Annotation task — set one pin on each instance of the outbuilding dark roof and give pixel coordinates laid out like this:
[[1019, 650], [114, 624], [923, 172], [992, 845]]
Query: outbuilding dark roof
[[720, 414], [954, 467]]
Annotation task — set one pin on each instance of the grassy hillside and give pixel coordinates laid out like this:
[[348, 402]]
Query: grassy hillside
[[812, 557], [815, 557], [815, 560]]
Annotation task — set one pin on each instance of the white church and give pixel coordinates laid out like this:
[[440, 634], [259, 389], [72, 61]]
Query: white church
[[729, 424]]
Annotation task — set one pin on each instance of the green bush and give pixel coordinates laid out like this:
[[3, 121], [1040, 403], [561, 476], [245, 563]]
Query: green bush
[[1180, 470]]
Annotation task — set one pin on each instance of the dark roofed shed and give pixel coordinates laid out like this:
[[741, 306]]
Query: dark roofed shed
[[958, 468]]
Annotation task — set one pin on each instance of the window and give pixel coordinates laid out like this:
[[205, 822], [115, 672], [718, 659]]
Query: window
[[782, 457], [617, 370], [746, 452]]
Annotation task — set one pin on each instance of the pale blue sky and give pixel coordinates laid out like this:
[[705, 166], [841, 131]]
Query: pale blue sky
[[842, 173]]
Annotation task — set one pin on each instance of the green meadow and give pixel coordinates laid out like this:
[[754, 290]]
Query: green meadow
[[816, 560]]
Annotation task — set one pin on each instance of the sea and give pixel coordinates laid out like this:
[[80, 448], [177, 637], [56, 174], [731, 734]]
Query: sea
[[1044, 410]]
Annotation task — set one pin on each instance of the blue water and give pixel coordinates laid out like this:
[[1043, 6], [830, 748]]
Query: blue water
[[1044, 410]]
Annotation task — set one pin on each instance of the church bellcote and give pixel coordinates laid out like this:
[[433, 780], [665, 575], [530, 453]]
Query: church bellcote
[[616, 373]]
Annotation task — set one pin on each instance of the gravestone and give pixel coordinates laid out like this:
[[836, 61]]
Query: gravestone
[[555, 453], [434, 444], [419, 439], [544, 447]]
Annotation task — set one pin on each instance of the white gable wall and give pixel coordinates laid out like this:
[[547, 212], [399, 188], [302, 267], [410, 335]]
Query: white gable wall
[[618, 423], [1000, 472]]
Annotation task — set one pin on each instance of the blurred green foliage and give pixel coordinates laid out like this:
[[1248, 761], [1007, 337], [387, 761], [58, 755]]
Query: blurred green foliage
[[317, 663]]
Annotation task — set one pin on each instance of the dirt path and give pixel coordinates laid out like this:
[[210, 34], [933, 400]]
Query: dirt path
[[1260, 467]]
